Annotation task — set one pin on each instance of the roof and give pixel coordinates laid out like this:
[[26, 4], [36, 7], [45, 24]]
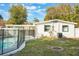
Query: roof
[[20, 25], [56, 20]]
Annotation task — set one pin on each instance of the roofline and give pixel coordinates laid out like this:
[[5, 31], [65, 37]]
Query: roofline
[[19, 25], [55, 20]]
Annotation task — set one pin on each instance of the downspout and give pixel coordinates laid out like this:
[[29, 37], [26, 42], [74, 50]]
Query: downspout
[[59, 27], [74, 32]]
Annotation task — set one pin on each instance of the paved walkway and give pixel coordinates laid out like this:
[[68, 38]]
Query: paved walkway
[[29, 38]]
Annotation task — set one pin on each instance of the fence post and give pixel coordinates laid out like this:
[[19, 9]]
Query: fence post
[[2, 39], [18, 39], [29, 32], [23, 34]]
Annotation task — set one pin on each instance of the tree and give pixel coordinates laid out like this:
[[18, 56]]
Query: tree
[[11, 21], [18, 14], [76, 8], [36, 20], [62, 11], [1, 18], [76, 15]]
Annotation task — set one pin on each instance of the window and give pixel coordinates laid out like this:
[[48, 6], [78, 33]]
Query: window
[[46, 27], [65, 28]]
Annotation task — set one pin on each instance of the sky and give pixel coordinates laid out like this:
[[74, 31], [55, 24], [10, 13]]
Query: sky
[[34, 10]]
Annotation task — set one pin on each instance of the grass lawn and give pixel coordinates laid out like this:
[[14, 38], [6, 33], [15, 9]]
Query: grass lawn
[[50, 47]]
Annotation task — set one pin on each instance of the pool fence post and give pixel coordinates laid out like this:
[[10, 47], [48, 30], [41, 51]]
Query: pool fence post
[[18, 39], [23, 34], [2, 39]]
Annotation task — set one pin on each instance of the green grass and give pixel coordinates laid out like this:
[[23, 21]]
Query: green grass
[[41, 47]]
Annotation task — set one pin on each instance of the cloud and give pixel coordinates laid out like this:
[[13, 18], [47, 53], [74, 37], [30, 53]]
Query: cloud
[[13, 4], [5, 14], [31, 7], [2, 4], [39, 6], [23, 5], [42, 3], [29, 14], [1, 10], [16, 4], [40, 10], [36, 13]]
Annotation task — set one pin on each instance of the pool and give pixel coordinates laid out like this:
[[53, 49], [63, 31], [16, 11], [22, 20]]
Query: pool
[[8, 44], [12, 40]]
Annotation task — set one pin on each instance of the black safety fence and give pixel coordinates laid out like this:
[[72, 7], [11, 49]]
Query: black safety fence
[[11, 39], [30, 32]]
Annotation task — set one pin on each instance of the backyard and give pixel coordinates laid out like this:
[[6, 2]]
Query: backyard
[[50, 47]]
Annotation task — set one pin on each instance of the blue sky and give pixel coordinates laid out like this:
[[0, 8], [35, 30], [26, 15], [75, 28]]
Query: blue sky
[[35, 10]]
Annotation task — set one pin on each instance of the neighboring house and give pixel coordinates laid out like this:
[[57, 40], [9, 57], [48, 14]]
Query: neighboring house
[[29, 29], [56, 28], [2, 24]]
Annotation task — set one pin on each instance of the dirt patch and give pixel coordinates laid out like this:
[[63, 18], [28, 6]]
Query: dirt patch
[[56, 48]]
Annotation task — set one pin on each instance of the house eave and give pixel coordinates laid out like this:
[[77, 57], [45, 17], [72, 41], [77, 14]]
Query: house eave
[[56, 20]]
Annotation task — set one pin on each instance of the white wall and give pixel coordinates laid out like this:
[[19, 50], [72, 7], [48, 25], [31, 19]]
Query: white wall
[[40, 31], [77, 32], [57, 29], [71, 30]]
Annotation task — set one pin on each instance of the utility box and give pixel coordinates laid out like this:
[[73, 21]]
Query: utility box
[[60, 35]]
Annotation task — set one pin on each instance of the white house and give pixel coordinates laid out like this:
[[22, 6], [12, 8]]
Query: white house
[[56, 28], [52, 28]]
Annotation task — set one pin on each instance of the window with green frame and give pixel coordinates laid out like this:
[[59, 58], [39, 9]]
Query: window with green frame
[[65, 28], [46, 27]]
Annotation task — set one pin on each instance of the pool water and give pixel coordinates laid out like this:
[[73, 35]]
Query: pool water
[[12, 39], [8, 44]]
